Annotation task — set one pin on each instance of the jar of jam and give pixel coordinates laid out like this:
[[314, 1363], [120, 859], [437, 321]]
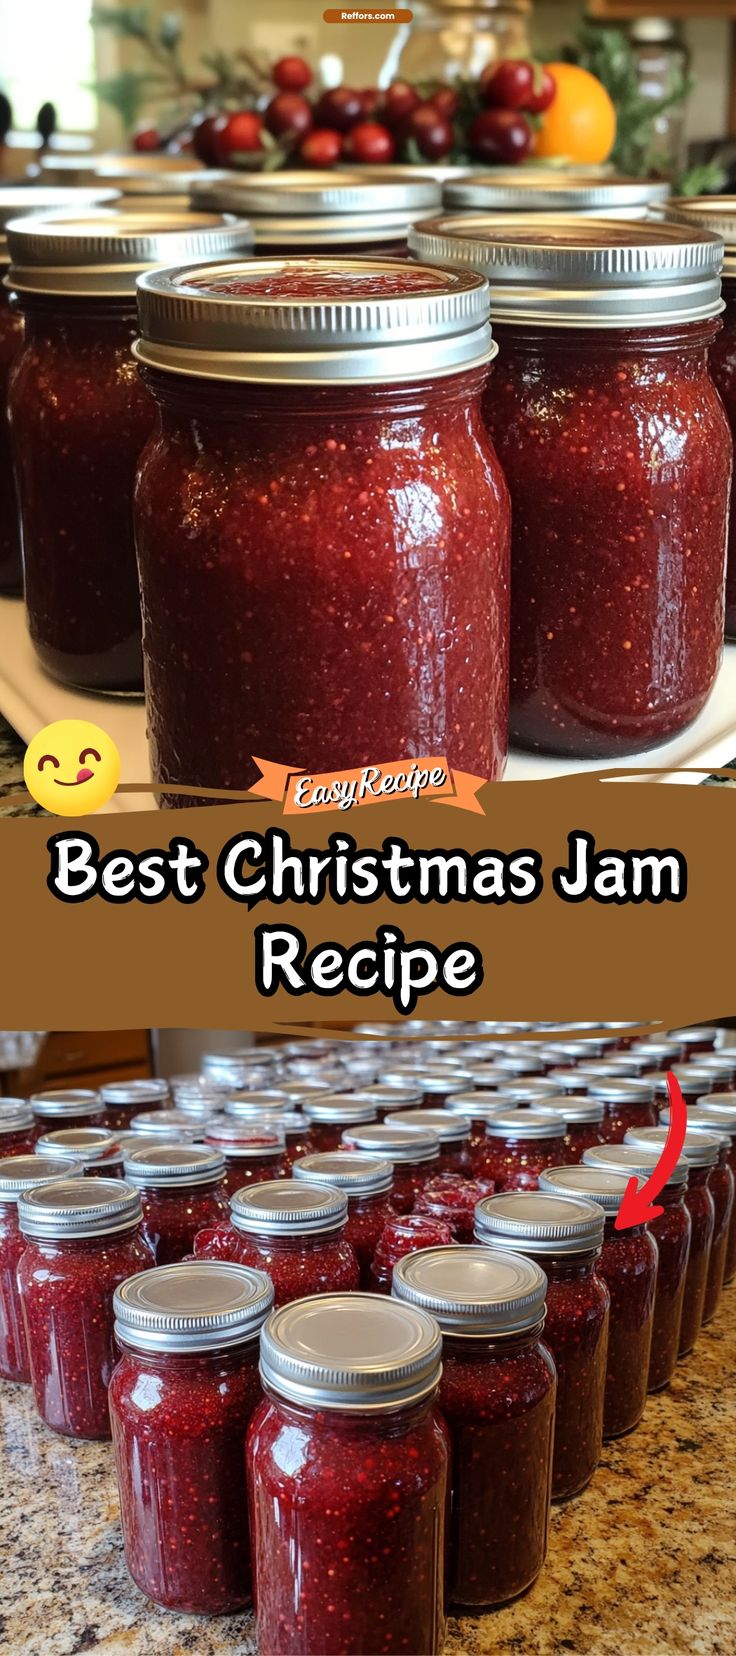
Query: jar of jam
[[182, 1189], [693, 1085], [721, 1065], [82, 1240], [195, 1094], [477, 1108], [367, 1182], [169, 1126], [627, 1103], [700, 1151], [498, 1397], [181, 1399], [564, 1234], [18, 1173], [603, 414], [671, 1232], [406, 1234], [521, 1094], [253, 1151], [348, 1474], [519, 1144], [385, 1099], [17, 1133], [333, 1114], [336, 214], [453, 1198], [452, 1130], [293, 1125], [414, 1154], [80, 416], [721, 1186], [92, 1150], [246, 1068], [249, 1106], [628, 1266], [329, 406], [583, 1118], [696, 1039], [123, 1099], [436, 1087], [294, 1231], [67, 1107], [659, 1055], [723, 357], [721, 1108], [542, 190]]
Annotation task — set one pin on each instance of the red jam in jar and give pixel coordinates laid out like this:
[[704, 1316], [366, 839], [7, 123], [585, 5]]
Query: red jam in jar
[[18, 1173], [17, 1133], [67, 1107], [293, 1231], [367, 1182], [628, 1103], [182, 1190], [520, 1144], [322, 525], [80, 416], [721, 1109], [628, 1267], [498, 1397], [348, 1474], [452, 1130], [332, 1115], [453, 1199], [91, 1150], [671, 1232], [564, 1235], [401, 1236], [181, 1399], [477, 1108], [122, 1100], [618, 457], [253, 1153], [700, 1151], [721, 1186], [82, 1240], [583, 1118], [414, 1153]]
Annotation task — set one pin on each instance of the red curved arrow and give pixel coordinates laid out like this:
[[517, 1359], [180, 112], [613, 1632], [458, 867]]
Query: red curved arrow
[[636, 1207]]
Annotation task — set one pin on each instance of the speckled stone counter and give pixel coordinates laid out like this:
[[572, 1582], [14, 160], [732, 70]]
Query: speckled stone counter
[[642, 1564]]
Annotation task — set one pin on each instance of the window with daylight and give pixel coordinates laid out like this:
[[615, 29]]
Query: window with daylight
[[47, 55]]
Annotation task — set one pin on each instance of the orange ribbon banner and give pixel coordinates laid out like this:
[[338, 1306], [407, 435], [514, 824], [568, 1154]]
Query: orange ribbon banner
[[302, 793], [367, 14]]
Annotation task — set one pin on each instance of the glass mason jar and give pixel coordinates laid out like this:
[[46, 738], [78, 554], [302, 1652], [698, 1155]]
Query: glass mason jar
[[721, 1186], [693, 1085], [90, 1150], [564, 1235], [405, 1234], [498, 1397], [385, 1099], [17, 1132], [628, 1266], [67, 1107], [292, 1230], [583, 1118], [80, 416], [448, 39], [700, 1151], [182, 1189], [293, 214], [18, 1173], [658, 1055], [477, 1108], [696, 1039], [414, 1154], [519, 1144], [254, 1152], [291, 1123], [332, 1114], [721, 1065], [436, 1087], [347, 1443], [169, 1126], [604, 413], [342, 419], [122, 1100], [82, 1240], [451, 1129], [367, 1182], [671, 1232], [181, 1399], [453, 1198], [628, 1103], [721, 1108]]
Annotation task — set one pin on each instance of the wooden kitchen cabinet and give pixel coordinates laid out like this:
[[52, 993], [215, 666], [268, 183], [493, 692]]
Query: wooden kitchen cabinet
[[83, 1058]]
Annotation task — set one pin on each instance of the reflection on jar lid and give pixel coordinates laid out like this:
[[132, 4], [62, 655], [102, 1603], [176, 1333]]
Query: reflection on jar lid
[[89, 1146], [473, 1290], [101, 253], [547, 1224], [16, 1115], [536, 188], [598, 1184], [63, 1102], [148, 1089], [199, 1306], [173, 1165], [351, 1351], [573, 1110], [626, 1158], [352, 1171], [700, 1149], [289, 1207], [398, 1144], [447, 1124], [78, 1208], [526, 1124], [19, 1173], [564, 271]]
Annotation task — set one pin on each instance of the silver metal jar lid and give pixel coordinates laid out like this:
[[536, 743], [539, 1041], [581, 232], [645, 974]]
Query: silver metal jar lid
[[703, 1121], [77, 1208], [447, 1124], [60, 1103], [473, 1290], [626, 1158], [351, 1351], [533, 189], [340, 1109], [442, 1082], [301, 1091], [18, 200], [575, 1111], [528, 1092], [526, 1124], [19, 1173], [694, 1035], [717, 214], [597, 1184], [173, 1165], [267, 1100], [350, 1170], [101, 253], [16, 1115], [400, 1098], [169, 1125], [476, 1106], [691, 1081], [90, 1146], [700, 1149], [133, 184], [334, 326], [664, 1052], [293, 194], [580, 272], [547, 1224], [623, 1090], [235, 1068], [398, 1144], [721, 1107], [245, 1141], [149, 1089], [202, 1305], [289, 1207]]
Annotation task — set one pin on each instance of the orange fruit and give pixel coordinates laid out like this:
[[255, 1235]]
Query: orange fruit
[[580, 124]]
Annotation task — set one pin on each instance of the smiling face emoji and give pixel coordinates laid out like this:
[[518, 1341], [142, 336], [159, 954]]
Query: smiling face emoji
[[71, 767]]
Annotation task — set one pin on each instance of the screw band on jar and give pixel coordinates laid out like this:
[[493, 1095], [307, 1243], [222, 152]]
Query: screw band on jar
[[299, 212], [59, 1104], [16, 1116], [173, 1166], [352, 1171], [20, 199], [356, 1351], [136, 1093], [397, 1144], [168, 1125], [204, 1305], [78, 1208], [474, 1290], [601, 1185], [448, 1125], [101, 255], [541, 1123], [239, 1139], [634, 1160], [529, 190], [540, 1222], [573, 1110], [699, 1149], [88, 1146], [21, 1173], [289, 1207]]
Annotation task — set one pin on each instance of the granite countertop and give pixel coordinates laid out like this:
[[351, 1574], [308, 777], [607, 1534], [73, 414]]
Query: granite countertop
[[642, 1564]]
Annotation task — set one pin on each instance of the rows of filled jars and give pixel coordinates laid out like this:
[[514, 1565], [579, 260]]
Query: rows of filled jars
[[318, 491], [316, 1286]]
